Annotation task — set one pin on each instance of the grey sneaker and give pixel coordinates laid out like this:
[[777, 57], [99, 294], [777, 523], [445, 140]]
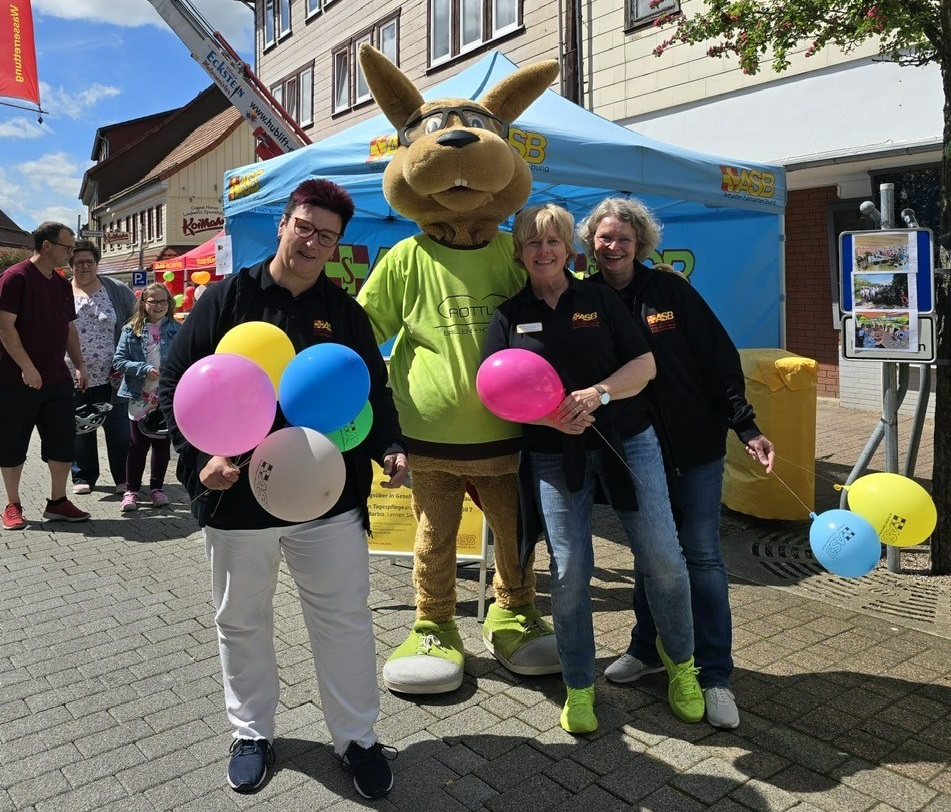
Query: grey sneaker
[[628, 668], [721, 707]]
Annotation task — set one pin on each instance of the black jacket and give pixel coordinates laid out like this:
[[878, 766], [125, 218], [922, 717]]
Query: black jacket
[[699, 388], [324, 313]]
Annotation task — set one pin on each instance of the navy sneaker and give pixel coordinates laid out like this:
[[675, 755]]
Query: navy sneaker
[[250, 759], [372, 775]]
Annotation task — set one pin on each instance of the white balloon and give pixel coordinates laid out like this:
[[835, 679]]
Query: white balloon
[[199, 291], [297, 474]]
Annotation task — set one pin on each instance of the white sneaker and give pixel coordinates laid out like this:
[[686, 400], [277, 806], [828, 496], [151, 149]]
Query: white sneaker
[[721, 707], [628, 668]]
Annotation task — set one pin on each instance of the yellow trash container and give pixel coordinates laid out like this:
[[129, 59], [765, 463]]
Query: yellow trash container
[[781, 387]]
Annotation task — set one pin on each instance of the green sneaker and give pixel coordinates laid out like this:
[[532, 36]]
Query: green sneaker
[[429, 661], [683, 690], [521, 639], [578, 713]]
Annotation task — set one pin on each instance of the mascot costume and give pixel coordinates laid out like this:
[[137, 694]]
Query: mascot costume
[[454, 174]]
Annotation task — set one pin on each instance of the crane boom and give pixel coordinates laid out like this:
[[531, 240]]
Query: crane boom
[[275, 131]]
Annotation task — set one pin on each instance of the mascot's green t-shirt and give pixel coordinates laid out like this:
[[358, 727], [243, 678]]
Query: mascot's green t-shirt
[[438, 302]]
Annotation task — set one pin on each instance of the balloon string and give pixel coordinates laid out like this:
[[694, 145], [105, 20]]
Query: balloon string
[[618, 453], [794, 495], [807, 470]]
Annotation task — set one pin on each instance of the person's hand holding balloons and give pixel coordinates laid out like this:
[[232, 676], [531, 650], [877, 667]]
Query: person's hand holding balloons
[[762, 450], [219, 474]]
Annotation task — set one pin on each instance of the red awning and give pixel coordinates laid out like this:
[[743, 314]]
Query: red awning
[[200, 258]]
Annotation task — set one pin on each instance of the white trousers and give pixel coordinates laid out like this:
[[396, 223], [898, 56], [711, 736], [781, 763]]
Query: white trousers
[[329, 561]]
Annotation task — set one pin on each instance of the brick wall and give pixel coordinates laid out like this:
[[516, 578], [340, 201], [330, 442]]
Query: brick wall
[[809, 326]]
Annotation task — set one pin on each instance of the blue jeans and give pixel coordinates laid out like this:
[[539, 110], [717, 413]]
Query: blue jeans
[[700, 489], [116, 429], [653, 538]]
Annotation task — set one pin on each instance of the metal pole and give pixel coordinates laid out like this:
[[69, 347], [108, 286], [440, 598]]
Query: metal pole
[[889, 388]]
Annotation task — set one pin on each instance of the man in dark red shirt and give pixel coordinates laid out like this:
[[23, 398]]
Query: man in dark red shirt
[[37, 330]]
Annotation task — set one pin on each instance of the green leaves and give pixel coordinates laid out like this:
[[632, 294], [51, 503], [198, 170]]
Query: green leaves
[[758, 32]]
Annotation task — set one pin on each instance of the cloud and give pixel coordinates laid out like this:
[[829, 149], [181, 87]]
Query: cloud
[[54, 172], [21, 127], [61, 102], [233, 19]]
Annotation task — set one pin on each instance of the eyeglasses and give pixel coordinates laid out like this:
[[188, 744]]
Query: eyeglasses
[[157, 302], [69, 248], [435, 120], [84, 263], [306, 229]]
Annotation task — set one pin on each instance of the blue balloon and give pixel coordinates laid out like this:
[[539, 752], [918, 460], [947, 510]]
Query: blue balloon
[[324, 387], [844, 543]]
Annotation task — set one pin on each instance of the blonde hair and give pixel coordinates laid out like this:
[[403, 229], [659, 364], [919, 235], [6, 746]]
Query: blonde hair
[[628, 210], [535, 220], [140, 314]]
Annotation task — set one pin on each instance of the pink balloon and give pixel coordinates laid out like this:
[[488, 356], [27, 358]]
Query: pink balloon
[[224, 404], [519, 385]]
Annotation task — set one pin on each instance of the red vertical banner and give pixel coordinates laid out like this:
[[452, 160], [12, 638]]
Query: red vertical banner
[[18, 77]]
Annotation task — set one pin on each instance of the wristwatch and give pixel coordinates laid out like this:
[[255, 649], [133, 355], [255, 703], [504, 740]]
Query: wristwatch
[[605, 398]]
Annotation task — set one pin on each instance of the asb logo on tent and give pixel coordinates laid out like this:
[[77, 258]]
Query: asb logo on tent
[[739, 182]]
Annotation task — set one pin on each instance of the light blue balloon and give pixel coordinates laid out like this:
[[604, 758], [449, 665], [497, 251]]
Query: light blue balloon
[[844, 543], [324, 387]]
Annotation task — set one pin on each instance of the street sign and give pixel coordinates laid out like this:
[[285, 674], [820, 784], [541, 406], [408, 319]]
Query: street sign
[[925, 354], [140, 279], [89, 234]]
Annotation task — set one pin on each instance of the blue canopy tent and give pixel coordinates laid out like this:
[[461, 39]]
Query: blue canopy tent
[[722, 217]]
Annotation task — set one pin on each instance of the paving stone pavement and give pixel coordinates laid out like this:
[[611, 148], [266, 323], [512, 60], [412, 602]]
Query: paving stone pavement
[[110, 694]]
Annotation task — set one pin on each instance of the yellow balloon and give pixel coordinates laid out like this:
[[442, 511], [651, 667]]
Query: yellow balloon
[[901, 511], [268, 346], [201, 277]]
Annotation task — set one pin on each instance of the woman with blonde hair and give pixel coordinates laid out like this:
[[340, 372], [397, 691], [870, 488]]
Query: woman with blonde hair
[[601, 432], [143, 346]]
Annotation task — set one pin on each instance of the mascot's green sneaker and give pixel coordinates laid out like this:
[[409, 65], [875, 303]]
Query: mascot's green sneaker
[[429, 661], [521, 640]]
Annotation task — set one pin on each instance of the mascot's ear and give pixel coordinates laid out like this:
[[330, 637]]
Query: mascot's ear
[[397, 96], [512, 96]]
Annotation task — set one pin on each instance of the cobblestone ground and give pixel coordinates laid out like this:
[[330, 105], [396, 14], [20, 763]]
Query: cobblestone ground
[[110, 694]]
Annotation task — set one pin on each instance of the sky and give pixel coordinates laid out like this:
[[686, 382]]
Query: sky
[[99, 62]]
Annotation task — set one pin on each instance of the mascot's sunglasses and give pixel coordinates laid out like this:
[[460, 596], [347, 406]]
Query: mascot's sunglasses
[[436, 120]]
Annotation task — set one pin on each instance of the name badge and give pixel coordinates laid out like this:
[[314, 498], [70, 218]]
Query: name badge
[[531, 327]]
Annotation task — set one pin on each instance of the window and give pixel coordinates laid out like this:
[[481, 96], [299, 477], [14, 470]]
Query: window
[[278, 93], [306, 96], [290, 98], [158, 221], [284, 17], [383, 35], [314, 7], [639, 12], [342, 79], [458, 26], [150, 225], [362, 89], [269, 37], [277, 20]]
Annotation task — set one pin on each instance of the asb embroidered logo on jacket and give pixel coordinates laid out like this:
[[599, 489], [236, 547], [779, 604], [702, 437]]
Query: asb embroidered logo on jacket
[[323, 329], [585, 319], [659, 322]]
